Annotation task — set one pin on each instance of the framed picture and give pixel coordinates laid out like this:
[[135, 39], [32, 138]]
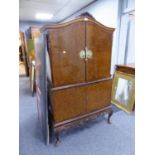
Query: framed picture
[[123, 91]]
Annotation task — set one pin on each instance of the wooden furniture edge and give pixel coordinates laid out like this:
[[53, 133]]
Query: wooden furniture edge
[[81, 117], [80, 84], [125, 66], [80, 121], [49, 26]]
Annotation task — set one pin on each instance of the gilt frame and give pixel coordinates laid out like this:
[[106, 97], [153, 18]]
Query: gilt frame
[[129, 107]]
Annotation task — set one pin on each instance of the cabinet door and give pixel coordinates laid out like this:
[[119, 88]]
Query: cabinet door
[[65, 44], [99, 95], [98, 43], [68, 103]]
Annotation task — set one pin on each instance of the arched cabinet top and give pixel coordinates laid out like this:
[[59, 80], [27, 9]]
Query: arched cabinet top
[[81, 19]]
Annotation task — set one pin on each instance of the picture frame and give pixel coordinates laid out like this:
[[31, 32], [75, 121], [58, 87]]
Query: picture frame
[[123, 91]]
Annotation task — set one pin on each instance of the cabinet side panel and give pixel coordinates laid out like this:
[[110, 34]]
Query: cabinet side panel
[[41, 88]]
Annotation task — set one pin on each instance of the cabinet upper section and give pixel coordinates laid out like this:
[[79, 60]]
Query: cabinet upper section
[[79, 51]]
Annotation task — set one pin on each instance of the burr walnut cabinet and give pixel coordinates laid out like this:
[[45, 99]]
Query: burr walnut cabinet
[[73, 82]]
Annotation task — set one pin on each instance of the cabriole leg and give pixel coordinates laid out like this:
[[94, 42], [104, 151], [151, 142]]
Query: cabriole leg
[[57, 138], [109, 116]]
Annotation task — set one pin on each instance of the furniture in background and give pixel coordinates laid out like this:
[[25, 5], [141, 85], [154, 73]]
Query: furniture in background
[[23, 53], [123, 94], [73, 80], [32, 33]]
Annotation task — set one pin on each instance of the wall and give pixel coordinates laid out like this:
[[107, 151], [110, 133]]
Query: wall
[[126, 49], [130, 56], [104, 11]]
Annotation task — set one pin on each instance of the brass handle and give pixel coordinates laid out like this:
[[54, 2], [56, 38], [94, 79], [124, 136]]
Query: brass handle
[[82, 54], [89, 53], [86, 54]]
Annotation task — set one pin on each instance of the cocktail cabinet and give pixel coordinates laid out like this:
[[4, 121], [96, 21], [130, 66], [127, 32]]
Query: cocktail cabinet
[[73, 80]]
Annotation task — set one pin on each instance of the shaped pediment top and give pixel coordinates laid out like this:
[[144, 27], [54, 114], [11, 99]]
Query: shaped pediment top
[[83, 17]]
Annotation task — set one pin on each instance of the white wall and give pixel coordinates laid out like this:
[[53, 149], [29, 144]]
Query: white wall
[[104, 11], [131, 43], [126, 44]]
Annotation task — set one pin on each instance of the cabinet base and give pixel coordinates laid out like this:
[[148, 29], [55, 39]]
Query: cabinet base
[[79, 121]]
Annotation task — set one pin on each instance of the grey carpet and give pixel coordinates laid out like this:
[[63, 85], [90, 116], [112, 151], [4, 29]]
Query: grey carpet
[[95, 138]]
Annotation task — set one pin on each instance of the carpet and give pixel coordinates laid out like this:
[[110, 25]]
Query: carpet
[[94, 138]]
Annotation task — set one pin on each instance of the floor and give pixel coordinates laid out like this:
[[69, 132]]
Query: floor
[[95, 138]]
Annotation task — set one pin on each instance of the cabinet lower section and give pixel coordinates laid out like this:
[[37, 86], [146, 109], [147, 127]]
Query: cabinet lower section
[[81, 119], [73, 106]]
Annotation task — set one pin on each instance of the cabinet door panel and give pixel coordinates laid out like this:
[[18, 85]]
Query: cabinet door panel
[[69, 103], [99, 41], [99, 95], [65, 44]]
